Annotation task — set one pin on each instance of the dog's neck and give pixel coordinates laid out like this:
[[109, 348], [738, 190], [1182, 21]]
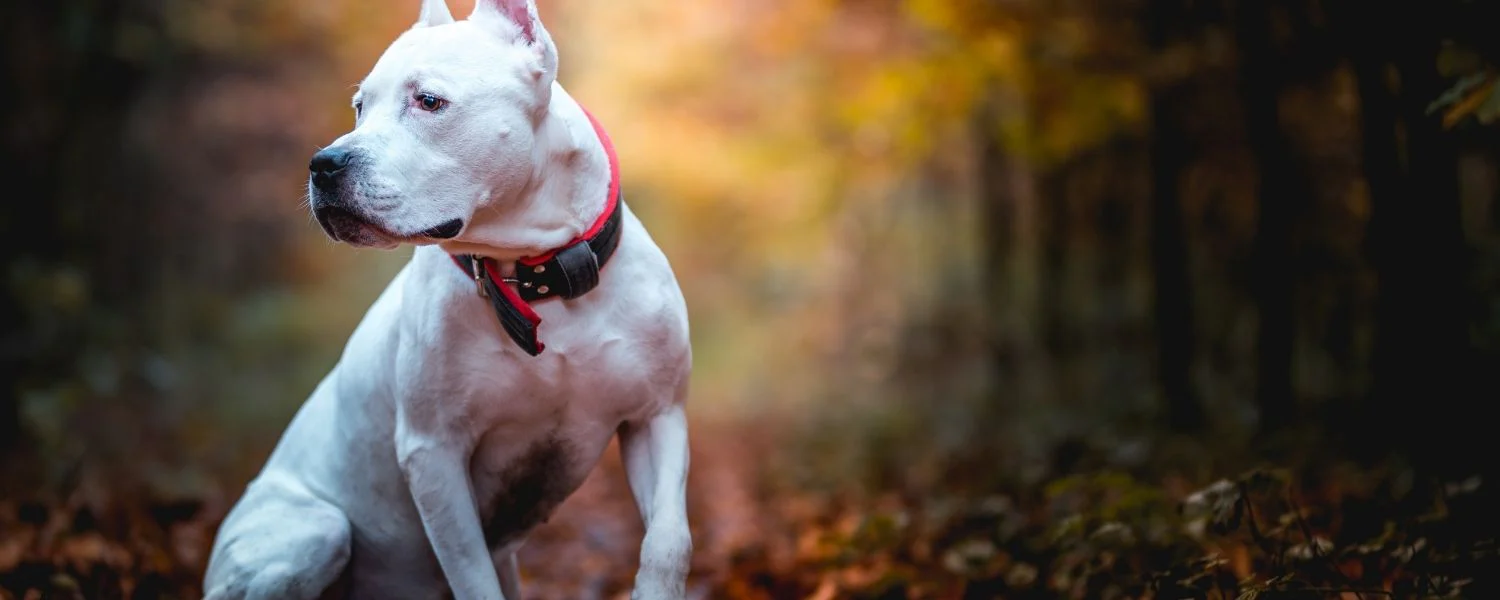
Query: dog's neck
[[565, 195]]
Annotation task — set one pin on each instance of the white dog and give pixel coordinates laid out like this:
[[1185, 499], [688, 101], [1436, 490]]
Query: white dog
[[535, 321]]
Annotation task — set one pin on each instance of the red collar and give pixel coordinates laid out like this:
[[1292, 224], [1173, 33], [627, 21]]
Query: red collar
[[566, 272]]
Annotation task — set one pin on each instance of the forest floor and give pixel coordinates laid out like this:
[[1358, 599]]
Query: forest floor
[[1105, 534]]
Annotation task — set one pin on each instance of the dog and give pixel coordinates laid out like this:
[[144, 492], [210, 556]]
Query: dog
[[535, 322]]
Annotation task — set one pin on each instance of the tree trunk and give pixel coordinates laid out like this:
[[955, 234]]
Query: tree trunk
[[82, 113], [1421, 348], [1173, 307], [1374, 430], [1279, 194], [10, 411], [17, 168], [1424, 367], [1173, 302], [1013, 240]]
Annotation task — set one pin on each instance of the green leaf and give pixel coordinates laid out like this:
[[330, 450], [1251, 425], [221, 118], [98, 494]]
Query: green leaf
[[1458, 92], [1468, 96]]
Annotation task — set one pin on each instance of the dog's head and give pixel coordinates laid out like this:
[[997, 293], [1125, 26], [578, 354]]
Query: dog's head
[[444, 126]]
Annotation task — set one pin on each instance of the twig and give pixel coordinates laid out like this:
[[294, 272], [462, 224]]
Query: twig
[[1335, 590], [1255, 534], [1312, 543], [1219, 581], [1440, 495]]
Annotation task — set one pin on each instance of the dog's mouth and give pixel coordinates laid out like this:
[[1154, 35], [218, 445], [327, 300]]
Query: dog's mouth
[[343, 225], [446, 231]]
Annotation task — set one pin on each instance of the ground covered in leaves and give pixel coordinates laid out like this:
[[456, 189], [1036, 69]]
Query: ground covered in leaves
[[1264, 533]]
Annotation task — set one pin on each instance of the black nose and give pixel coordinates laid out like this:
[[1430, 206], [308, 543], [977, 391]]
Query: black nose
[[327, 164]]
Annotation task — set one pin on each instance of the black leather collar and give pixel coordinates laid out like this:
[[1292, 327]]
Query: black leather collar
[[573, 270], [567, 273]]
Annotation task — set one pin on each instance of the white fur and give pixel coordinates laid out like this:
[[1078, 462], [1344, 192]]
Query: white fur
[[382, 483]]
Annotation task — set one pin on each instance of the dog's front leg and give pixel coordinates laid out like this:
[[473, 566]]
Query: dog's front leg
[[436, 472], [656, 463]]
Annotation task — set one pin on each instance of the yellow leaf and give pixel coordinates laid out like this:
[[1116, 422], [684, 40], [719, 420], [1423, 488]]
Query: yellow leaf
[[1453, 60]]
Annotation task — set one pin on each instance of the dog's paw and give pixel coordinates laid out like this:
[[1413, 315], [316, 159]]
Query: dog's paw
[[658, 590], [639, 594]]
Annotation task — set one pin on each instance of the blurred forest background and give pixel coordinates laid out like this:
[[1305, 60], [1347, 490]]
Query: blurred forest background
[[990, 298]]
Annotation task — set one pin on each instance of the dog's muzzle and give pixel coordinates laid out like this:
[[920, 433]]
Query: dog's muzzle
[[341, 218], [326, 172]]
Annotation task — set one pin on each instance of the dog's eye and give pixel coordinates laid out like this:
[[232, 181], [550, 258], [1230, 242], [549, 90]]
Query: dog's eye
[[429, 102], [359, 107]]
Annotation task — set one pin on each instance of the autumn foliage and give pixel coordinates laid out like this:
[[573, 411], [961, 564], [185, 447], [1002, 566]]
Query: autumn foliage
[[990, 298]]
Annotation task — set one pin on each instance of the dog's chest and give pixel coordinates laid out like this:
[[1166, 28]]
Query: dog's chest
[[535, 450], [519, 483], [542, 422]]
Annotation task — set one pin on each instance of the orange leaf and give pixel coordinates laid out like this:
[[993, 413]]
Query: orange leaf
[[1470, 102]]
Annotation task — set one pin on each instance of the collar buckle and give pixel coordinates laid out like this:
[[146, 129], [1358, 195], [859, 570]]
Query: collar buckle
[[476, 268]]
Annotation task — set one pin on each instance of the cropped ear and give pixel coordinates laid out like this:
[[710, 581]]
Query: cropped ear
[[434, 12], [520, 16]]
